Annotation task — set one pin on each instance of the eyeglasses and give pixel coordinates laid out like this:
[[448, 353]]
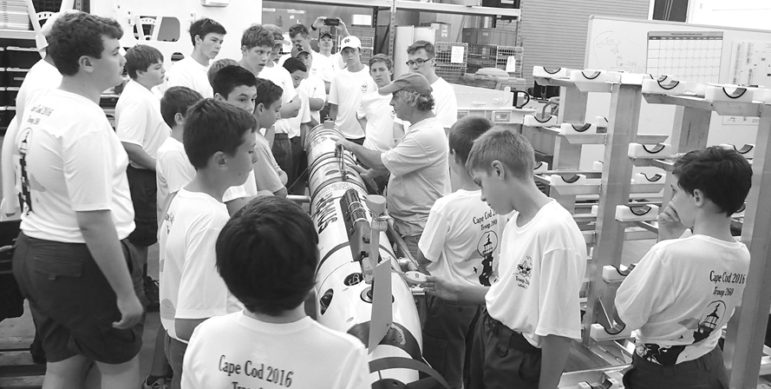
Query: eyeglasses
[[418, 61]]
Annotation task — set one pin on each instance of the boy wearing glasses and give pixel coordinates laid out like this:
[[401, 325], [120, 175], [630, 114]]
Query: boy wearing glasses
[[420, 59]]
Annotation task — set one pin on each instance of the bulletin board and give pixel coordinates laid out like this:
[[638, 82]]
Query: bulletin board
[[707, 53]]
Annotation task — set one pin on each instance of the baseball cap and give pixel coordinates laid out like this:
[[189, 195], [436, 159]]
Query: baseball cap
[[413, 82], [278, 36], [325, 33], [350, 41]]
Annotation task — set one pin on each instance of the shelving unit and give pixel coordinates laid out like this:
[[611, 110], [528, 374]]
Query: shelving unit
[[744, 350]]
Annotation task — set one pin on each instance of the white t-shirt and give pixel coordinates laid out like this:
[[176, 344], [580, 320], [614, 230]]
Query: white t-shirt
[[445, 102], [190, 286], [281, 77], [239, 351], [138, 119], [420, 174], [247, 189], [291, 126], [377, 109], [681, 293], [314, 88], [327, 67], [461, 239], [267, 172], [42, 76], [70, 161], [173, 171], [346, 91], [188, 72], [540, 271]]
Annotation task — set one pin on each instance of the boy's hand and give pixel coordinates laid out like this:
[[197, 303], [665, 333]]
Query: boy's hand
[[670, 226], [130, 310], [440, 288]]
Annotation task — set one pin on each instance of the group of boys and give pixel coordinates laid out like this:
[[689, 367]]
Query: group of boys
[[505, 261]]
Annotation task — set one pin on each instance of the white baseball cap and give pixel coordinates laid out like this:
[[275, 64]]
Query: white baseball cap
[[350, 41]]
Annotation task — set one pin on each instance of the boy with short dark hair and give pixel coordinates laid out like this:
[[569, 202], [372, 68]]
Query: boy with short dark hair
[[238, 86], [267, 256], [299, 125], [141, 129], [457, 245], [173, 169], [216, 66], [685, 289], [219, 141], [207, 36], [532, 310]]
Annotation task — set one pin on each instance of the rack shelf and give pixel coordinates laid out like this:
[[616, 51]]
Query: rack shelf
[[723, 108]]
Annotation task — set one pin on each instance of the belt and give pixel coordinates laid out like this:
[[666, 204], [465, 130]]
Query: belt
[[282, 135]]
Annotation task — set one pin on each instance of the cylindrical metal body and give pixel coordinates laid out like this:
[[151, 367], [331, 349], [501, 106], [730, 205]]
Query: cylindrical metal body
[[344, 299]]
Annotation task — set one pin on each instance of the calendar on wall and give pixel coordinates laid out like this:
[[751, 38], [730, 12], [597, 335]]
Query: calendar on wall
[[685, 55]]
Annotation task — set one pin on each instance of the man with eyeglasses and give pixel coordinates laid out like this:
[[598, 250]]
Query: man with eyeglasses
[[421, 59], [192, 71]]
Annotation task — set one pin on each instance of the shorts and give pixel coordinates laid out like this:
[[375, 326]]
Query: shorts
[[502, 358], [297, 179], [175, 355], [144, 190], [72, 304], [705, 372], [447, 334]]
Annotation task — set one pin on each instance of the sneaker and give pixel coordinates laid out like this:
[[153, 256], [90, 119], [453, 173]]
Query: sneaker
[[151, 294], [152, 382]]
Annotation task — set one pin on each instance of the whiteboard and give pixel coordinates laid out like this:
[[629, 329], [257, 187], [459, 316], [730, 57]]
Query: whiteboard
[[622, 44]]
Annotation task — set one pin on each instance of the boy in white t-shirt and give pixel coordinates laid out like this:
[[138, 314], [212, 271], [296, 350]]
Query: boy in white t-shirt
[[532, 309], [458, 245], [421, 58], [299, 126], [69, 259], [207, 36], [141, 129], [172, 171], [219, 141], [348, 86], [172, 168], [314, 88], [267, 256], [238, 86], [683, 291]]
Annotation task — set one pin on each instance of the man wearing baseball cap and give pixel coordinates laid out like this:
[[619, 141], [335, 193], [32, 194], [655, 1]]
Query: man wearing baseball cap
[[418, 165], [347, 88]]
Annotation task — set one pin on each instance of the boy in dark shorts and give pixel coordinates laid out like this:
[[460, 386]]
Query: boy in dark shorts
[[685, 289], [70, 261], [532, 309]]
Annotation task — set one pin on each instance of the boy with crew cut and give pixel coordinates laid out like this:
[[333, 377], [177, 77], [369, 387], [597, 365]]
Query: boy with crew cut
[[238, 86], [458, 245], [219, 141], [532, 310], [70, 260], [685, 289], [267, 256], [217, 65], [173, 169], [207, 36], [141, 129]]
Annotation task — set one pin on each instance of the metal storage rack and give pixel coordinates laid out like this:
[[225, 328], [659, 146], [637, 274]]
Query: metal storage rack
[[495, 56], [445, 67]]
